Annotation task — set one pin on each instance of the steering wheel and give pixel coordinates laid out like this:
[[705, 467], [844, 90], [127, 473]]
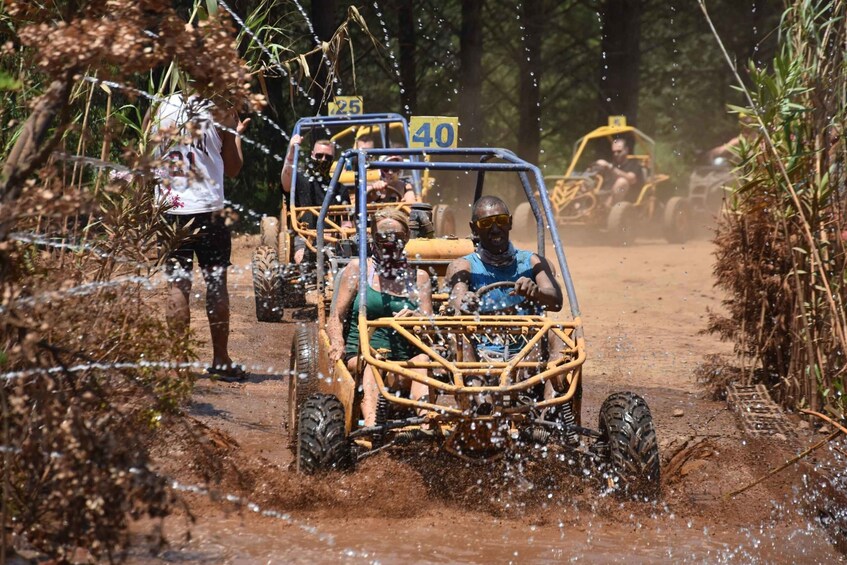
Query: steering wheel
[[389, 189], [493, 286]]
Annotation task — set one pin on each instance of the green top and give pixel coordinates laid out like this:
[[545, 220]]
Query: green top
[[380, 305]]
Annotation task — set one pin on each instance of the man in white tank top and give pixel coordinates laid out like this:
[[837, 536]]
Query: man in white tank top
[[196, 156]]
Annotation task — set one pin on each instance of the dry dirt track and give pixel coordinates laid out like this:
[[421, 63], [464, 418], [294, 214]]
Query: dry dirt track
[[643, 308]]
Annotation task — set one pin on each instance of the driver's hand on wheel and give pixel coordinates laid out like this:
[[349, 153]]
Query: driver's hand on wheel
[[469, 303], [602, 165], [376, 191], [525, 286]]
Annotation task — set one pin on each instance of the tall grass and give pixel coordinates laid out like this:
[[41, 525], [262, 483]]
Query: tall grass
[[781, 244], [88, 368]]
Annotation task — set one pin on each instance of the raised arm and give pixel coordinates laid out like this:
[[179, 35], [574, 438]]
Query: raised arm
[[231, 144], [288, 166], [458, 277]]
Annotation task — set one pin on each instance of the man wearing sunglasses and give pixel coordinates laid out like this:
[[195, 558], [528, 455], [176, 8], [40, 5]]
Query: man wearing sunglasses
[[497, 260], [312, 183]]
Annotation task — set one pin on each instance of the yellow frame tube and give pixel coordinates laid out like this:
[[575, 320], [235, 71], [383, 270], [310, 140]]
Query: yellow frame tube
[[367, 328]]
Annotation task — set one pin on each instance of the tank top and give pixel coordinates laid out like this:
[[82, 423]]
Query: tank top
[[483, 274], [192, 176], [492, 302], [380, 304]]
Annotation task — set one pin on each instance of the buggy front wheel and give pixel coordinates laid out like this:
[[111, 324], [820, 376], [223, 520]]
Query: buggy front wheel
[[629, 440], [621, 224], [322, 443]]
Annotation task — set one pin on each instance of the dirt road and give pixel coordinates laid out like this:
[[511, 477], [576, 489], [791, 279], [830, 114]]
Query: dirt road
[[643, 310]]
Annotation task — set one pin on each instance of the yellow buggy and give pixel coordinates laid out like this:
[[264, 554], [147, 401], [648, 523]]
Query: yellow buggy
[[582, 196], [474, 409], [278, 282]]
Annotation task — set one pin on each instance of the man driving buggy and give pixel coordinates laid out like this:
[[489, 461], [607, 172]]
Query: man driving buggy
[[311, 185], [497, 260], [624, 174]]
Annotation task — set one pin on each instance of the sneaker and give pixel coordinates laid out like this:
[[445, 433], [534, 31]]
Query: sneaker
[[231, 374]]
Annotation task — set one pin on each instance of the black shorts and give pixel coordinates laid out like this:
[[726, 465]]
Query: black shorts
[[212, 244]]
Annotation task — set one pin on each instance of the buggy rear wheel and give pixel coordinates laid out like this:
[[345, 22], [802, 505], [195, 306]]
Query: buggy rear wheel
[[267, 285], [322, 443], [621, 224], [523, 221], [626, 428], [444, 220], [303, 374], [677, 220], [269, 230]]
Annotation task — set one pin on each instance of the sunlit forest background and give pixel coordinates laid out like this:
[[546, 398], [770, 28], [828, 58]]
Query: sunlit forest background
[[531, 75], [535, 75]]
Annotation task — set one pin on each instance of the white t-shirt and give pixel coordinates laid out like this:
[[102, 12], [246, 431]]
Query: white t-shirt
[[192, 178]]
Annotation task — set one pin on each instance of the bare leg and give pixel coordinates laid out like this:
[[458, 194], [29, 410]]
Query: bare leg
[[370, 393], [217, 309], [419, 390], [298, 255], [178, 312]]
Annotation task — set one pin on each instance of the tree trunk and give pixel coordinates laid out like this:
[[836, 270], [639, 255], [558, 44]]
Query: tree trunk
[[620, 69], [322, 15], [470, 74], [40, 133], [408, 70], [530, 65]]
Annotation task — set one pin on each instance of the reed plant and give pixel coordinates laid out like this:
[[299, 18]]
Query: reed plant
[[781, 240]]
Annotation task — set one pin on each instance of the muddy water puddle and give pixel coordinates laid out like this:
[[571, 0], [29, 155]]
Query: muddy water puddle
[[644, 308], [482, 539]]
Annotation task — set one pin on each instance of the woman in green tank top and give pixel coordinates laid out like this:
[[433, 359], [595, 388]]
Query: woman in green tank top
[[394, 289]]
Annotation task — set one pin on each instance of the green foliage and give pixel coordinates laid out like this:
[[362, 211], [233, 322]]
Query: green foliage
[[781, 252]]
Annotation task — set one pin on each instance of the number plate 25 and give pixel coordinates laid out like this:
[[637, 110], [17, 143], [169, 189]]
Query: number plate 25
[[434, 131], [352, 105]]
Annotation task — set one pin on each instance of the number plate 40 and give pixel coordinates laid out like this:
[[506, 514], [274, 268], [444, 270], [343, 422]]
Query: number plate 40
[[434, 131]]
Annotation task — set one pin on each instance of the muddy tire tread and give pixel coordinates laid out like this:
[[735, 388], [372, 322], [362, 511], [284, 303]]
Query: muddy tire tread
[[675, 207], [443, 220], [621, 224], [633, 450], [523, 221], [303, 377], [322, 441], [267, 285], [269, 232]]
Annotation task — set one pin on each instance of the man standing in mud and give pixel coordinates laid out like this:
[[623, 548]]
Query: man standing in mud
[[624, 174], [192, 184]]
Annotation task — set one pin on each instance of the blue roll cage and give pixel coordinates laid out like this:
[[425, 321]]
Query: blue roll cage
[[508, 162], [318, 122]]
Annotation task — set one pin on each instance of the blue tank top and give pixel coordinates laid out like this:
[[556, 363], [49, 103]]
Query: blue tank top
[[483, 274], [496, 300]]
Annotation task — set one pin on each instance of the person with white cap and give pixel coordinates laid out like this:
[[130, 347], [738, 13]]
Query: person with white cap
[[391, 187]]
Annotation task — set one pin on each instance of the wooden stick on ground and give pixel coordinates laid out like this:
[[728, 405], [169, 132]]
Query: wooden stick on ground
[[788, 463], [825, 418]]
